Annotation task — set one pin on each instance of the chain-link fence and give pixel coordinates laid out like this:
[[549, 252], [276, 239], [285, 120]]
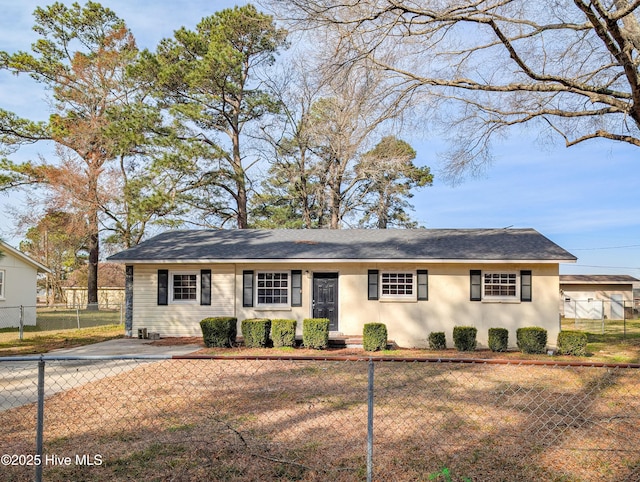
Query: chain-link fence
[[610, 317], [17, 316], [268, 419], [57, 317]]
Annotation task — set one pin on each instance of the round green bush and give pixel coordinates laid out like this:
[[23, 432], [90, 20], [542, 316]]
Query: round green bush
[[315, 333], [572, 343], [498, 339], [532, 339], [283, 333], [437, 340], [374, 337], [256, 332], [464, 338], [220, 331]]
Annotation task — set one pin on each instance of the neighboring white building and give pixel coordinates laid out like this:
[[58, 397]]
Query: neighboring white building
[[18, 286], [597, 297], [414, 281]]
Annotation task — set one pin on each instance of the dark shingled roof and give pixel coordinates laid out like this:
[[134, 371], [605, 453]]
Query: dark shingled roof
[[597, 279], [347, 244]]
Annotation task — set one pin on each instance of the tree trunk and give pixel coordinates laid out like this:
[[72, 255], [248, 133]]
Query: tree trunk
[[92, 268], [94, 242], [240, 177]]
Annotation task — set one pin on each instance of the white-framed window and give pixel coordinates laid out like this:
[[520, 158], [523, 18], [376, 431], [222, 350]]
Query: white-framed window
[[273, 288], [397, 285], [2, 283], [184, 286], [500, 285]]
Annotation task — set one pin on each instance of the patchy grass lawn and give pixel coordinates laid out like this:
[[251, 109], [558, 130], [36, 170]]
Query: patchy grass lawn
[[297, 420], [237, 420], [49, 319], [36, 342]]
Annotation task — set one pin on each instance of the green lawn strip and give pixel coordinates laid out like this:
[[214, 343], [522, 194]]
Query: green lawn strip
[[44, 342]]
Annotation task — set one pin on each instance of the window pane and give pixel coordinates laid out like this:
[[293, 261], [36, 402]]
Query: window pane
[[184, 287], [397, 284], [500, 284], [273, 288]]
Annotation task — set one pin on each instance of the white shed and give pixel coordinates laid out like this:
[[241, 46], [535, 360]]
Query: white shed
[[597, 297]]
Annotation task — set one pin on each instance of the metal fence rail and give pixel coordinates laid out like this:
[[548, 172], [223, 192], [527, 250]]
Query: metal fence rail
[[341, 419]]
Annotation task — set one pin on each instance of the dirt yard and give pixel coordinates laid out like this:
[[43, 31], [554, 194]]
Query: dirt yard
[[273, 420]]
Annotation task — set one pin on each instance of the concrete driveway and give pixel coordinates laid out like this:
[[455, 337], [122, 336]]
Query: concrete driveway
[[19, 379], [126, 347]]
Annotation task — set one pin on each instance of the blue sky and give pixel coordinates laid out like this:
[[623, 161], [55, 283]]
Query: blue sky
[[584, 198]]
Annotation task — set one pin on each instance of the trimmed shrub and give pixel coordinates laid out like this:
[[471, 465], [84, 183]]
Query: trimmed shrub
[[498, 339], [532, 339], [315, 333], [255, 332], [374, 336], [437, 340], [572, 343], [220, 331], [464, 338], [283, 333]]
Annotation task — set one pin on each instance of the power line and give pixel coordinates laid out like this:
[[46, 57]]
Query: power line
[[607, 247], [604, 267]]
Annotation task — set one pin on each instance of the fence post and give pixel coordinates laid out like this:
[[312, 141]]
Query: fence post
[[78, 316], [370, 424], [21, 322], [40, 421]]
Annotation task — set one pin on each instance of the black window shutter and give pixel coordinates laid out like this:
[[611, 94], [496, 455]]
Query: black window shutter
[[525, 285], [373, 293], [205, 286], [247, 288], [476, 285], [296, 288], [163, 286], [423, 284]]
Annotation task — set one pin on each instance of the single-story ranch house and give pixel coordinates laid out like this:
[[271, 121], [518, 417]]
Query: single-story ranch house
[[414, 281]]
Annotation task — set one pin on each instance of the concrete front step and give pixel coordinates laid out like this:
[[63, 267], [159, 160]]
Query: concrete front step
[[345, 341], [352, 341]]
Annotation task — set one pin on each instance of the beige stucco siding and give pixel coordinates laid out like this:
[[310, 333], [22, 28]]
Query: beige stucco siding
[[179, 319], [408, 322], [19, 287]]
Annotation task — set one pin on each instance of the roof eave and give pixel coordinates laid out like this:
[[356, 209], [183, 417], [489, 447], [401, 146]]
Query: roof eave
[[344, 261], [19, 254]]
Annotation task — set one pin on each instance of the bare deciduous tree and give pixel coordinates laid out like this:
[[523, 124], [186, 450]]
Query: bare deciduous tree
[[321, 175], [569, 66], [342, 124]]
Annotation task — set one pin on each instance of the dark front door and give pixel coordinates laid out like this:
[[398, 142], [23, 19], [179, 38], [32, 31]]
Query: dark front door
[[325, 298]]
